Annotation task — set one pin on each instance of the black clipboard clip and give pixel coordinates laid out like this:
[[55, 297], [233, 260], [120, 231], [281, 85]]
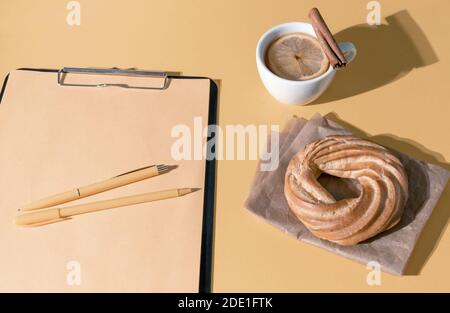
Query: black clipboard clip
[[112, 71]]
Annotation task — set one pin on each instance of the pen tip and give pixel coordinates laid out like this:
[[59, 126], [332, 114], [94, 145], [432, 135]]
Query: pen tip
[[163, 168], [185, 191]]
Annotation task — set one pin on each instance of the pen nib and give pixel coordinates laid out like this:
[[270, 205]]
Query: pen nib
[[162, 168], [185, 191]]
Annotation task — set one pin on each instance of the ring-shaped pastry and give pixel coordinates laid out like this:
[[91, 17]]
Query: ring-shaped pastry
[[381, 178]]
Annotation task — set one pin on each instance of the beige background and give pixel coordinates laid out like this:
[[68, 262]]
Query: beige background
[[391, 92]]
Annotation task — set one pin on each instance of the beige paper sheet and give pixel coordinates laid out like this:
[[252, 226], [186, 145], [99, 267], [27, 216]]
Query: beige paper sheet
[[391, 249], [56, 138]]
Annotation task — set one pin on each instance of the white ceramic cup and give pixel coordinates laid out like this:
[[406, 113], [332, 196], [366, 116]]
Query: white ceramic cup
[[293, 91]]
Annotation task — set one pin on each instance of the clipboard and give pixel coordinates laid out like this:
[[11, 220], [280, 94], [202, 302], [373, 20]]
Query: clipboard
[[120, 82]]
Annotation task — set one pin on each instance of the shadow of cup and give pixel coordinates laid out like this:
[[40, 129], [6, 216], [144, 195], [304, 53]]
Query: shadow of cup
[[385, 53]]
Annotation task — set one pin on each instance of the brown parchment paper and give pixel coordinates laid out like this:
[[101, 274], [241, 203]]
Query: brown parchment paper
[[391, 249]]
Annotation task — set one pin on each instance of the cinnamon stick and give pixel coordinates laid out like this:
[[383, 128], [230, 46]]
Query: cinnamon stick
[[326, 39], [333, 59]]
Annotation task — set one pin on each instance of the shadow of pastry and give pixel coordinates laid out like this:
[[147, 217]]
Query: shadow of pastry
[[438, 221], [386, 53], [417, 176]]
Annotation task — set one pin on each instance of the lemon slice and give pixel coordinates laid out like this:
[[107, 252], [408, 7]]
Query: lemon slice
[[297, 56]]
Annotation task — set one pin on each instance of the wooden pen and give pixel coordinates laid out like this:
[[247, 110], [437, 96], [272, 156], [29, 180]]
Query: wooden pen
[[89, 190], [53, 215]]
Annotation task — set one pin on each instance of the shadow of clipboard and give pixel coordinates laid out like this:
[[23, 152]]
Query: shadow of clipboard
[[49, 258]]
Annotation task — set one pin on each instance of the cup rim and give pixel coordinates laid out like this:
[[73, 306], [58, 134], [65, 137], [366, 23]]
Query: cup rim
[[272, 74]]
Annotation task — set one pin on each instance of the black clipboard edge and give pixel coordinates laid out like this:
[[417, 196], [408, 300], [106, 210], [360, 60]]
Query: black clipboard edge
[[206, 261], [3, 87], [206, 254]]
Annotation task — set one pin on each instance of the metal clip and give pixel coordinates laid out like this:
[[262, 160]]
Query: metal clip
[[113, 71]]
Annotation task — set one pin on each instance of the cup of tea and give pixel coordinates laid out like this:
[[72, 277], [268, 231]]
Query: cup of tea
[[292, 65]]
